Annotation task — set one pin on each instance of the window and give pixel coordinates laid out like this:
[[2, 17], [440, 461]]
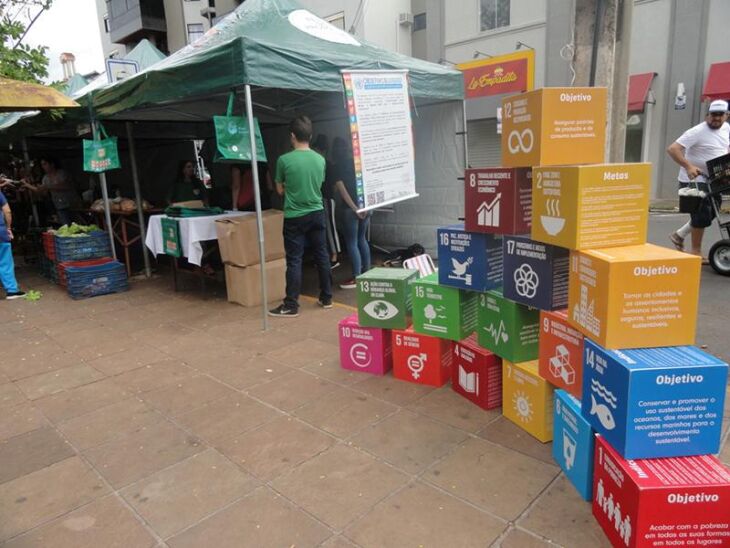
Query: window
[[338, 20], [195, 31], [211, 3], [106, 24], [419, 22], [494, 14]]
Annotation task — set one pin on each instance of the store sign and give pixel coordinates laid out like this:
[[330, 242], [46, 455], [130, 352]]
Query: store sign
[[511, 73]]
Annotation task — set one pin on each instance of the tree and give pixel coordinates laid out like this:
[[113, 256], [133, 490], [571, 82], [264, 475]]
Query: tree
[[17, 59]]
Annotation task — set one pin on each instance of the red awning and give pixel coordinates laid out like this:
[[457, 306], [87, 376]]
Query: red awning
[[639, 85], [717, 85]]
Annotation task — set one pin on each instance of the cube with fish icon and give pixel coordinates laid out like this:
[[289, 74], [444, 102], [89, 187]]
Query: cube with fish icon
[[442, 311], [384, 297], [469, 260], [527, 399], [498, 200], [365, 349], [507, 328], [573, 443], [421, 359], [476, 374]]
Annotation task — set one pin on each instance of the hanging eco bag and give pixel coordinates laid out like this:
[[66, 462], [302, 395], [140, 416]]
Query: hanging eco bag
[[101, 154], [233, 144]]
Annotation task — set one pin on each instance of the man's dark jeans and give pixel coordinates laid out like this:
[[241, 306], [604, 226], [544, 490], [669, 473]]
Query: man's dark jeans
[[299, 231]]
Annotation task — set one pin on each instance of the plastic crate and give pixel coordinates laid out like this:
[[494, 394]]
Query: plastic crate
[[78, 264], [91, 281], [78, 248], [49, 244]]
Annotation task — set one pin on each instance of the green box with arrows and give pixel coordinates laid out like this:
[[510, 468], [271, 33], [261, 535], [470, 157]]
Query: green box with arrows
[[507, 328], [443, 311], [384, 297]]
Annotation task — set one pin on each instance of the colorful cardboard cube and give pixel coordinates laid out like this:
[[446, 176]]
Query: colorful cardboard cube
[[588, 207], [661, 502], [655, 402], [498, 200], [561, 352], [554, 126], [442, 311], [421, 359], [384, 297], [476, 374], [527, 399], [508, 329], [469, 260], [634, 297], [573, 443], [535, 274], [366, 349]]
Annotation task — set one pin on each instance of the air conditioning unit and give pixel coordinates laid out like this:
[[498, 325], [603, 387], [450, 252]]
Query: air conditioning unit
[[405, 19], [205, 12]]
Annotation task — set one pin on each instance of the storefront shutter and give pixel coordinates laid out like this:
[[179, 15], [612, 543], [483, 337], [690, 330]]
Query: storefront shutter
[[484, 143]]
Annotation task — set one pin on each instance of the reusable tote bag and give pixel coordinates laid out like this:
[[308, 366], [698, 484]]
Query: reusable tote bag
[[101, 155], [232, 138]]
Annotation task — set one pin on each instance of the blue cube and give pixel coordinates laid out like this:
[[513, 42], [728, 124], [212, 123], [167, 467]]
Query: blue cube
[[469, 260], [655, 402], [535, 274], [573, 443]]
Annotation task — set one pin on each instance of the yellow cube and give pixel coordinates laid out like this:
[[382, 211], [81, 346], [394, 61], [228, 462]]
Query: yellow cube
[[589, 207], [638, 296], [527, 399], [554, 126]]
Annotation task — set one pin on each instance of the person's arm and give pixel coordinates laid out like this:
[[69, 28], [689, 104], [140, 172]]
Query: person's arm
[[8, 215], [340, 186], [235, 187], [676, 153], [280, 178]]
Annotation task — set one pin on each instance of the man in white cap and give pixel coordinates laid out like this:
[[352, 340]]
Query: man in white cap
[[691, 151]]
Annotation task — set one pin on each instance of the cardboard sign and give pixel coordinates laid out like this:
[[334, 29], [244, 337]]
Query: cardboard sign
[[527, 399], [366, 349], [498, 200], [588, 207], [421, 359], [634, 297], [384, 297], [655, 402], [573, 443], [238, 238], [561, 352], [535, 274], [243, 284], [476, 374], [467, 260], [554, 126], [507, 328], [442, 311], [661, 502]]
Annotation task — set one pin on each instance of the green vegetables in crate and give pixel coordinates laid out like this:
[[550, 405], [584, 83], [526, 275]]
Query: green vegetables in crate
[[74, 230]]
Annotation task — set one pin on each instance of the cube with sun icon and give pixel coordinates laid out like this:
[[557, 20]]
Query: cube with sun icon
[[527, 399]]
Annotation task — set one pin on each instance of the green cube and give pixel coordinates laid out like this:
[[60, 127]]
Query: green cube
[[443, 311], [507, 328], [384, 297]]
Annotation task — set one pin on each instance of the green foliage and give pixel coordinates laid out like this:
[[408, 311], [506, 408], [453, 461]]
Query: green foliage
[[74, 230], [20, 61]]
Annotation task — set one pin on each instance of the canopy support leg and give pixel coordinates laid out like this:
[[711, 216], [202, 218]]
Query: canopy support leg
[[26, 159], [138, 200], [105, 196]]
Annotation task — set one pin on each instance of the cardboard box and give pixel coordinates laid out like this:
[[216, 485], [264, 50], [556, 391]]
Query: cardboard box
[[508, 329], [442, 311], [238, 238], [535, 274], [588, 207], [661, 502], [469, 260], [243, 284], [476, 374], [421, 359], [384, 297], [561, 352], [366, 349], [573, 443], [527, 399], [634, 297], [554, 126], [498, 200], [655, 402]]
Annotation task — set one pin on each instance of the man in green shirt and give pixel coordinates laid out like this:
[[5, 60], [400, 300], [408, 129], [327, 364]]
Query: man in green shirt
[[299, 177]]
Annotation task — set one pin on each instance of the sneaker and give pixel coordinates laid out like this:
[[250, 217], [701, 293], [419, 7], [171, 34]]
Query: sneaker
[[325, 304], [15, 295], [349, 284], [677, 240], [284, 311]]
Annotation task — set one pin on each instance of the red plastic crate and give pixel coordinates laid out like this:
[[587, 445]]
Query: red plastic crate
[[49, 245], [78, 264]]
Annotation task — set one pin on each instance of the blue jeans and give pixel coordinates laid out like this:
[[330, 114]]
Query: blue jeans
[[7, 268], [358, 249], [298, 232]]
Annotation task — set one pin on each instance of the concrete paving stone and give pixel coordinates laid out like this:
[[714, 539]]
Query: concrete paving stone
[[103, 523], [143, 452], [10, 395], [233, 330], [179, 496], [275, 338], [506, 433], [188, 346], [106, 346], [187, 394], [499, 480], [48, 357], [53, 382], [160, 332], [32, 451], [19, 419], [154, 375], [218, 351], [58, 329], [305, 352], [409, 441], [445, 405], [339, 485], [76, 340], [392, 390], [83, 399], [243, 372], [138, 356], [561, 515], [33, 499], [275, 447], [262, 519], [330, 369], [420, 515], [518, 538], [337, 541], [344, 412], [292, 390], [108, 423]]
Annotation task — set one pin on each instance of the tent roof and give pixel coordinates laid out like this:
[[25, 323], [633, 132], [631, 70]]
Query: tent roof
[[73, 84]]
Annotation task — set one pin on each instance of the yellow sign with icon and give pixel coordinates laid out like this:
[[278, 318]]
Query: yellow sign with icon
[[527, 399]]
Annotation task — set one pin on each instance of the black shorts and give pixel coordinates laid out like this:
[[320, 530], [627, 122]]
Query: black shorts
[[705, 213]]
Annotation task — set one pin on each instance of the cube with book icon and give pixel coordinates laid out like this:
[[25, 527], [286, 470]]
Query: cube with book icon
[[476, 374]]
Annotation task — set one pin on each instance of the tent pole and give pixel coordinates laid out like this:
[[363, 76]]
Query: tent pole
[[464, 133], [105, 195], [26, 159], [138, 199], [257, 196]]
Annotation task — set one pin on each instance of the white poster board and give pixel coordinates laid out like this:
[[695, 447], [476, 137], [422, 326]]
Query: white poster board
[[120, 69], [381, 128]]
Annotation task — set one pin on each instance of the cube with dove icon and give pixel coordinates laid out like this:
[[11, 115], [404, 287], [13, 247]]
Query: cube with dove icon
[[442, 311], [469, 260]]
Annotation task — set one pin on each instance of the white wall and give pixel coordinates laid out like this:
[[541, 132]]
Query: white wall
[[463, 22], [381, 25], [718, 45]]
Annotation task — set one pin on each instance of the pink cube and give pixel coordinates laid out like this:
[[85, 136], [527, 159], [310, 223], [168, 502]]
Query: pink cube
[[366, 349]]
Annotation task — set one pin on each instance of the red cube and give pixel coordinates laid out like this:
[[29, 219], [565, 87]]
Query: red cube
[[561, 352], [678, 501], [476, 374], [498, 200], [420, 358]]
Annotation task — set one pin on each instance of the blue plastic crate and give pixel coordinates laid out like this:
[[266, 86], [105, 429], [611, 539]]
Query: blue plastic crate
[[77, 248], [92, 281]]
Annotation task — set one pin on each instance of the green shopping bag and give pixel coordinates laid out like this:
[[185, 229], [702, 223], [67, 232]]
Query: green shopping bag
[[101, 155], [171, 237], [233, 144]]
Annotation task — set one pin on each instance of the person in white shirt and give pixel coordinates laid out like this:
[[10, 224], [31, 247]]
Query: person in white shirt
[[691, 151]]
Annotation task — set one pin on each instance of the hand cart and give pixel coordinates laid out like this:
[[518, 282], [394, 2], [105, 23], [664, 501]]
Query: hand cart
[[719, 183]]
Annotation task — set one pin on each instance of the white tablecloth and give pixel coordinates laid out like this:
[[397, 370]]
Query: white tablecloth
[[193, 230]]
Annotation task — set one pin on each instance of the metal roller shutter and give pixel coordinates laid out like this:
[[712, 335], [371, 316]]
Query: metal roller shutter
[[484, 143]]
